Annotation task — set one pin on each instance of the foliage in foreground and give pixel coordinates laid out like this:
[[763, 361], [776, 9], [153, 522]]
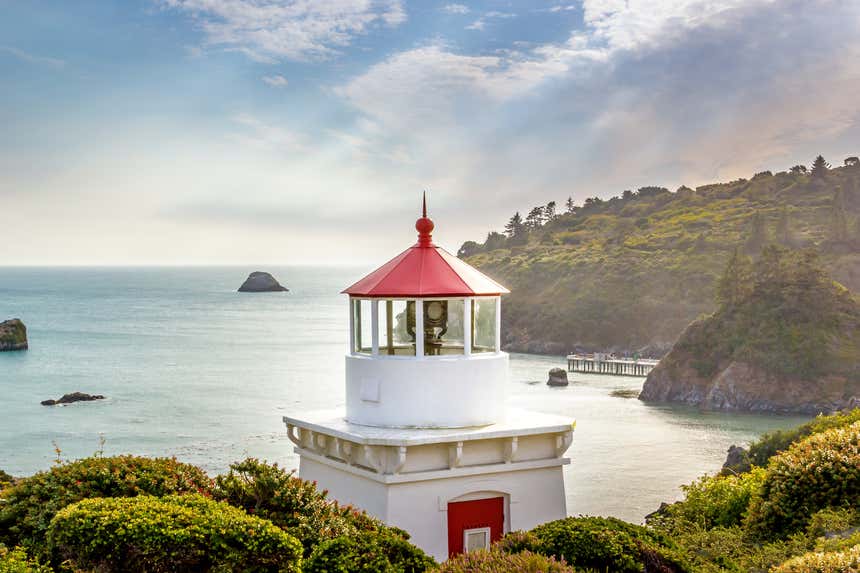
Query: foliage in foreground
[[600, 543], [819, 472], [175, 533], [26, 508], [384, 551], [296, 505], [496, 560], [772, 443], [834, 562], [17, 561]]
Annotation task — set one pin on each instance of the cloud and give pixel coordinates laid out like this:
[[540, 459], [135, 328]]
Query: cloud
[[300, 30], [686, 92], [455, 9], [33, 59], [264, 136], [481, 23], [276, 81]]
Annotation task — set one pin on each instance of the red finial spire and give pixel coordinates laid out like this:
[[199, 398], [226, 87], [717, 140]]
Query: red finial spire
[[424, 226]]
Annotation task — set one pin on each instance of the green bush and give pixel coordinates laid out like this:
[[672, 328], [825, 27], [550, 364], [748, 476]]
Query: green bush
[[496, 560], [27, 507], [383, 551], [17, 561], [296, 505], [772, 443], [718, 501], [819, 472], [5, 479], [175, 533], [603, 543], [836, 562]]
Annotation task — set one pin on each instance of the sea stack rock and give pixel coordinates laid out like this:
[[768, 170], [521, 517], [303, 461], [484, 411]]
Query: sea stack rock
[[13, 335], [72, 398], [557, 377], [259, 281]]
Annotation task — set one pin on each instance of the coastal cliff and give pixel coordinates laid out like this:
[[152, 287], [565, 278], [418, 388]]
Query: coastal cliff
[[13, 335], [629, 273], [785, 339]]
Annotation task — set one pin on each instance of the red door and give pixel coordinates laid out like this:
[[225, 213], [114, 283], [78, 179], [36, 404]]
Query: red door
[[475, 514]]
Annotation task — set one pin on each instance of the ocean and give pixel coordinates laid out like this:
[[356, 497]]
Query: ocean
[[195, 370]]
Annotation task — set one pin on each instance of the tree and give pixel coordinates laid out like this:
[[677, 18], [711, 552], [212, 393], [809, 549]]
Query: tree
[[651, 191], [783, 229], [468, 249], [494, 241], [627, 195], [549, 211], [515, 226], [798, 169], [852, 161], [535, 218], [820, 167], [757, 234], [736, 283], [570, 205]]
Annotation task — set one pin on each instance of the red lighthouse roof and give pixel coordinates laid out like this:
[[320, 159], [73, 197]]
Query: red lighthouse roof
[[424, 270]]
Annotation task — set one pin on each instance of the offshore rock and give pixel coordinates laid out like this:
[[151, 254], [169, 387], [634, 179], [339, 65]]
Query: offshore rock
[[557, 377], [72, 398], [259, 281], [13, 335]]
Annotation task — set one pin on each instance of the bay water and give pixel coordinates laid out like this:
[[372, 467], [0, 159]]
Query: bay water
[[193, 369]]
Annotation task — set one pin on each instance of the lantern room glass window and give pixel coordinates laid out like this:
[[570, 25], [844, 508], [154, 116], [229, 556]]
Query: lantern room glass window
[[443, 327], [362, 330], [394, 337], [484, 318]]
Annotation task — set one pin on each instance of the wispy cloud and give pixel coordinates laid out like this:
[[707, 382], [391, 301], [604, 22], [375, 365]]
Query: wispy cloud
[[455, 9], [266, 136], [481, 23], [32, 58], [301, 30], [276, 81]]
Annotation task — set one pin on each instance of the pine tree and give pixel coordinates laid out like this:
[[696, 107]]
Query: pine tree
[[820, 167], [798, 169], [736, 283], [515, 226], [535, 217], [570, 205], [549, 211], [757, 234]]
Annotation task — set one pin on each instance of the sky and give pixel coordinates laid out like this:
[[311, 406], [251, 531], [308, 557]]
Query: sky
[[138, 132]]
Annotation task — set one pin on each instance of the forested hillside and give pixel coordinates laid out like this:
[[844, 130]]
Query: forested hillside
[[631, 272]]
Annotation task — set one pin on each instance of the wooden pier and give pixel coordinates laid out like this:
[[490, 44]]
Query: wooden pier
[[602, 364]]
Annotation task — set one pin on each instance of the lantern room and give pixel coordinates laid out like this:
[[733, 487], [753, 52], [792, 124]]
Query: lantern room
[[425, 341]]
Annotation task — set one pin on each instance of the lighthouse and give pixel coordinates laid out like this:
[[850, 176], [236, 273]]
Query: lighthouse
[[427, 441]]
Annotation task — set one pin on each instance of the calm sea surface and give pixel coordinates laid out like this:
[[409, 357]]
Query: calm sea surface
[[193, 369]]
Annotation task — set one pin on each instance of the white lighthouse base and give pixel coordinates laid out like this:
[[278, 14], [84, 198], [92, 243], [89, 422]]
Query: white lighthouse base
[[450, 489]]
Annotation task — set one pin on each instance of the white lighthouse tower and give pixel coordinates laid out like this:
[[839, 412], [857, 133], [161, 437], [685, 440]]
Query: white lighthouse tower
[[427, 442]]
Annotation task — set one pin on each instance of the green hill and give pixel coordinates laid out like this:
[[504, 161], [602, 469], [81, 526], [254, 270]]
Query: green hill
[[785, 338], [631, 272]]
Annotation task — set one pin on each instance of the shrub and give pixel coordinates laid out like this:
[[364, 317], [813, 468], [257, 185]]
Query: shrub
[[835, 562], [383, 551], [293, 504], [27, 507], [496, 560], [16, 561], [176, 533], [819, 472], [606, 543], [5, 479], [718, 501], [772, 443]]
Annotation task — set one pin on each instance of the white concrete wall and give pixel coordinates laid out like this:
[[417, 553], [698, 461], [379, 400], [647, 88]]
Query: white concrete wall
[[532, 497], [428, 392]]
